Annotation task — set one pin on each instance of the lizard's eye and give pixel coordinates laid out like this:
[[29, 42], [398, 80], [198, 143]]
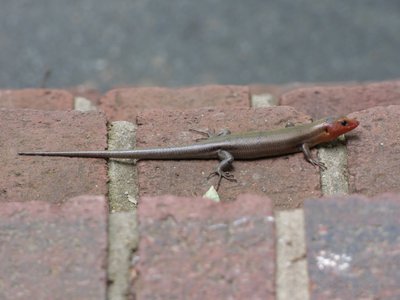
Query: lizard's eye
[[344, 123]]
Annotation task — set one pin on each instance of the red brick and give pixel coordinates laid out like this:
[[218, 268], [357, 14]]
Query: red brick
[[24, 178], [124, 104], [52, 251], [373, 151], [86, 92], [277, 177], [276, 90], [321, 101], [193, 248], [42, 99], [353, 247]]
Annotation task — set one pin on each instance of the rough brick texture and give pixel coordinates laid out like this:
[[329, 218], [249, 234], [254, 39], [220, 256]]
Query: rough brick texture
[[50, 178], [373, 151], [277, 178], [275, 90], [87, 92], [42, 99], [353, 247], [51, 251], [321, 101], [124, 104], [192, 248]]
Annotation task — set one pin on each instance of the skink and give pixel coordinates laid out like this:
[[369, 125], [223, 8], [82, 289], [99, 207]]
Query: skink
[[240, 146]]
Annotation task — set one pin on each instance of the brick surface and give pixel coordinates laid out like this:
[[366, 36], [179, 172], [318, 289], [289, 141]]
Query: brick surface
[[24, 178], [274, 89], [373, 151], [265, 95], [124, 104], [353, 247], [321, 101], [52, 251], [193, 248], [87, 92], [43, 99], [277, 177]]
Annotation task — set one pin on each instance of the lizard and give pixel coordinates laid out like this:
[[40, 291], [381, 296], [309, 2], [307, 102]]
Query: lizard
[[228, 147]]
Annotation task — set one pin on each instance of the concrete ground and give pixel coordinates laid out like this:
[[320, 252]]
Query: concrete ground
[[105, 44]]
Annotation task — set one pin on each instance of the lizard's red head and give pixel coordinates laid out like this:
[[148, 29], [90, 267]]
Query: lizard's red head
[[338, 126]]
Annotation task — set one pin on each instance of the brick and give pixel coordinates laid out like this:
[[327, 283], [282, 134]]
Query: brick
[[278, 178], [275, 90], [321, 101], [265, 95], [53, 179], [87, 92], [373, 151], [52, 251], [193, 248], [353, 247], [124, 104], [42, 99]]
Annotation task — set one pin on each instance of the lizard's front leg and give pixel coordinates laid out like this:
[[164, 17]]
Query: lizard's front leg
[[307, 154]]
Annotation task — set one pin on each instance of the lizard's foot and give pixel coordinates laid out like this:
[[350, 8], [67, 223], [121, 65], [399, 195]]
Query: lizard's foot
[[318, 164], [210, 133], [221, 174]]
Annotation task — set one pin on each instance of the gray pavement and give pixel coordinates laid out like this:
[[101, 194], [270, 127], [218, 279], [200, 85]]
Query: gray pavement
[[173, 43]]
